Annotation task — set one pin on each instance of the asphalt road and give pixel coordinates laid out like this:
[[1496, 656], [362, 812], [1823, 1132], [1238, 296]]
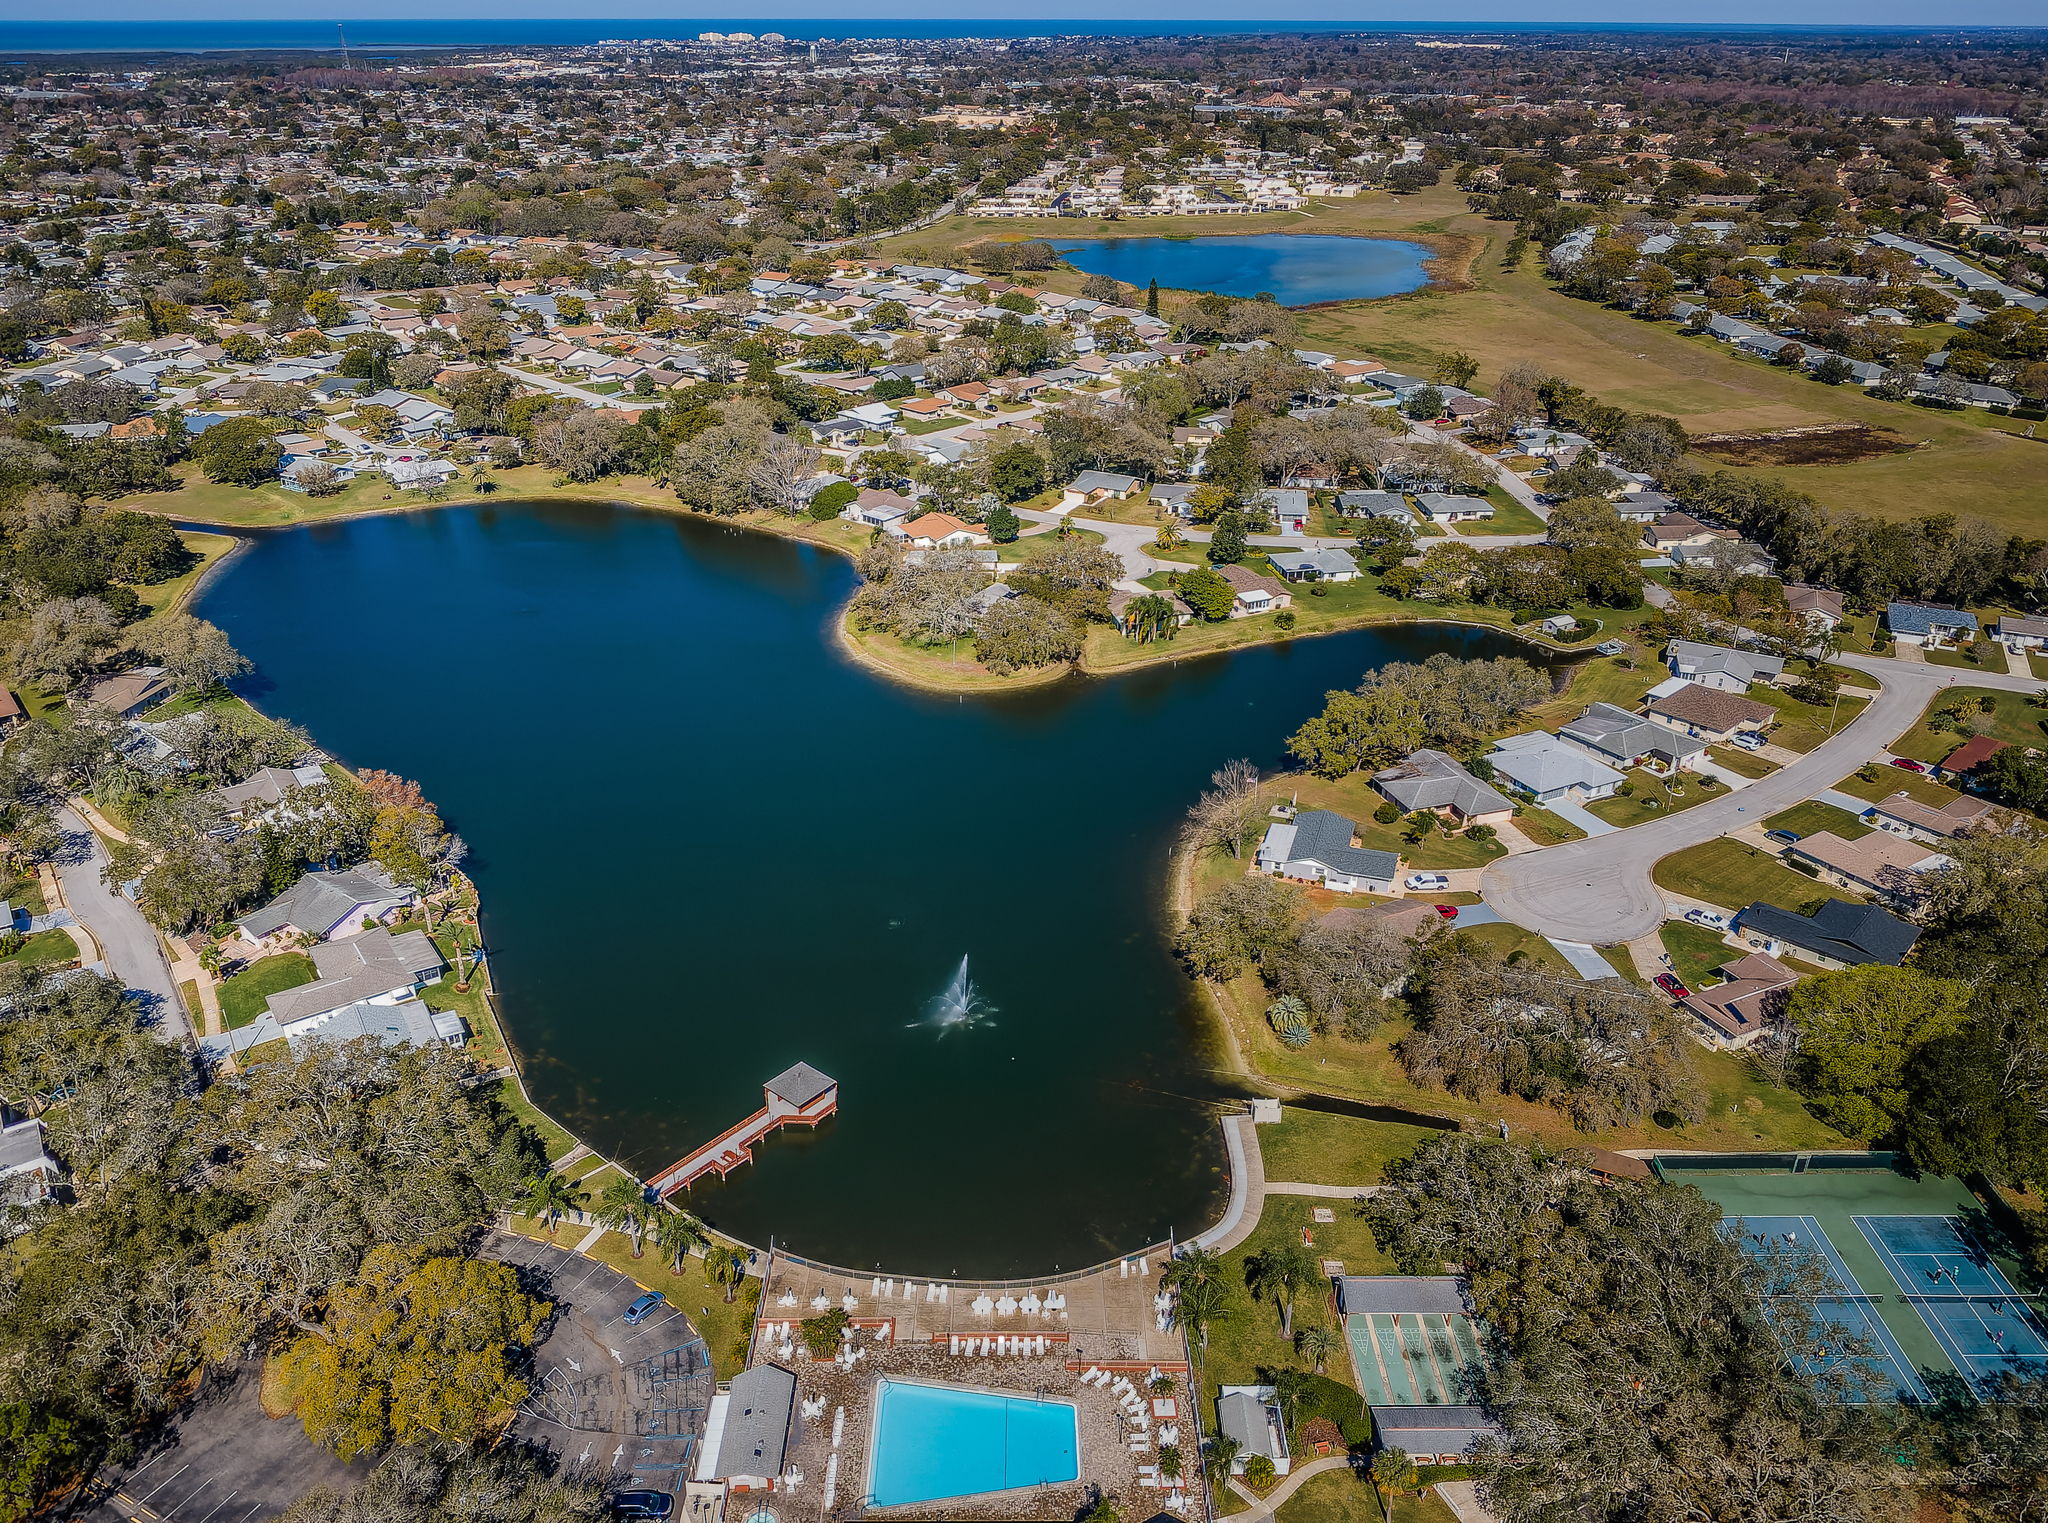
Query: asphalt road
[[1599, 890], [133, 953]]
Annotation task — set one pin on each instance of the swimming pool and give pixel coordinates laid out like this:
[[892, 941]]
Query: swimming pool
[[932, 1442]]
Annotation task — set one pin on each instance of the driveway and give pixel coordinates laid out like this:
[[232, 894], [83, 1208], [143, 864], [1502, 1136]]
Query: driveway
[[133, 953], [1579, 815], [1599, 891]]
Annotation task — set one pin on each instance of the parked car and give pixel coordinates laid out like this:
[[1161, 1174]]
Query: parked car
[[1669, 983], [643, 1308], [1787, 836], [1448, 911], [1910, 766], [653, 1505], [1708, 918], [1748, 740], [1426, 880]]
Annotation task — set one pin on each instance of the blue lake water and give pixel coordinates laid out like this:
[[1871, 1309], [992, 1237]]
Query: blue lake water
[[934, 1442], [1294, 268], [709, 846]]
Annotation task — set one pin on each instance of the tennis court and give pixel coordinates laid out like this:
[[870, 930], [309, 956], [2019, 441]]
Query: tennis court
[[1981, 1322], [1868, 1347]]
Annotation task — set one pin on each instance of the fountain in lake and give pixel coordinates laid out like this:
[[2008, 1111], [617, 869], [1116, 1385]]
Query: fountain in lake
[[959, 1006]]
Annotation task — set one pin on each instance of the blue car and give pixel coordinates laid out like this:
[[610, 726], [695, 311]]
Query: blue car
[[643, 1308], [645, 1505]]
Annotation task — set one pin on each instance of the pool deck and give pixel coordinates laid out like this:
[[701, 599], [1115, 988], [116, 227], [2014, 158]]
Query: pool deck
[[1110, 1322]]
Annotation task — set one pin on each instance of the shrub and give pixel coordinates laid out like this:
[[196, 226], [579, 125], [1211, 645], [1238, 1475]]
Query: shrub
[[1387, 813], [1290, 1019], [829, 500], [821, 1334], [1284, 619]]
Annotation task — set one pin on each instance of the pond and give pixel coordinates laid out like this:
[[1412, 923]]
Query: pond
[[709, 846], [1294, 268]]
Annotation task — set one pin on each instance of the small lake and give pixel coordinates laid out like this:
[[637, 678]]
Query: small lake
[[1295, 268], [709, 846]]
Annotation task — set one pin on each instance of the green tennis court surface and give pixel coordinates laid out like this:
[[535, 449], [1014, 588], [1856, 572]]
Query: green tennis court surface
[[1927, 1296]]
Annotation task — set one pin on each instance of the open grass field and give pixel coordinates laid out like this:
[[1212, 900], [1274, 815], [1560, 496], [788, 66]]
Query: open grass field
[[1695, 951], [1733, 875], [1324, 1148], [1802, 726], [2011, 719], [1344, 1496], [1812, 817], [1652, 798]]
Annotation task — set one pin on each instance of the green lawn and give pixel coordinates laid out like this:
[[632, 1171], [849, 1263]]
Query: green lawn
[[247, 994], [554, 1139], [43, 950], [1545, 828], [1509, 517], [1728, 873], [1321, 1148], [2011, 719], [1695, 951], [1345, 1496], [1883, 781], [1812, 817], [1652, 798], [1802, 726], [1509, 939], [1742, 763], [25, 892]]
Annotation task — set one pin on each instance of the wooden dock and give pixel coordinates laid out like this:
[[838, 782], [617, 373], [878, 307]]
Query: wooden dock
[[798, 1096]]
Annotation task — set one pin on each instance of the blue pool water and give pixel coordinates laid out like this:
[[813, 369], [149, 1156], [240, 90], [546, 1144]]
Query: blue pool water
[[933, 1442], [1295, 268]]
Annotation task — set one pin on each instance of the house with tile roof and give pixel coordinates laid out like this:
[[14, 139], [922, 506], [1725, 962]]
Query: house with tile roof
[[1739, 1009], [1837, 935], [1710, 715]]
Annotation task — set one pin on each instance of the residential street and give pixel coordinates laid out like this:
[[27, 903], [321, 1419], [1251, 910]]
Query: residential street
[[1599, 891], [133, 953]]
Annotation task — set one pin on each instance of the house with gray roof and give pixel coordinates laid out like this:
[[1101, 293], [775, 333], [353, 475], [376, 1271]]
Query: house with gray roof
[[1614, 735], [28, 1173], [1837, 935], [264, 789], [1716, 666], [1315, 565], [1451, 508], [1374, 505], [1251, 1416], [1435, 781], [326, 906], [1317, 845], [1548, 770]]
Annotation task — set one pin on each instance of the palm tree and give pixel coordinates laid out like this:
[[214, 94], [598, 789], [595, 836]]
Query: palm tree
[[1168, 538], [676, 1233], [1169, 1462], [1391, 1471], [1150, 618], [1191, 1266], [550, 1197], [622, 1207], [1200, 1303], [1258, 1472], [726, 1268], [1316, 1344], [1280, 1274], [1218, 1455]]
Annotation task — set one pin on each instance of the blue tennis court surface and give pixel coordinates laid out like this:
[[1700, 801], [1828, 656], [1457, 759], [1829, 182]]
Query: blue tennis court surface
[[1868, 1349], [1981, 1322]]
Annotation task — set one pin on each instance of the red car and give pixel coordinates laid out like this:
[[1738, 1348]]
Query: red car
[[1448, 911], [1669, 983], [1910, 766]]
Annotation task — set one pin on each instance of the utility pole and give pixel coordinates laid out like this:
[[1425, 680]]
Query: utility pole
[[346, 61]]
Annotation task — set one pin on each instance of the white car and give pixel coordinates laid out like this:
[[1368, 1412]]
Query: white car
[[1707, 917], [1426, 880], [1748, 740]]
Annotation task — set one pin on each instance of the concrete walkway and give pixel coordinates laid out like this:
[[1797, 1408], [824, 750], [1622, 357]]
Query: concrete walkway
[[1462, 1497], [1247, 1187], [1321, 1192], [1841, 800], [1585, 961], [1295, 1479], [1470, 915]]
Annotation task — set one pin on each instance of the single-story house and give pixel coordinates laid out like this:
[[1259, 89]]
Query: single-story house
[[1904, 815], [1288, 505], [1616, 736], [1716, 666], [986, 599], [1374, 505], [1547, 769], [1095, 486], [265, 788], [1315, 565], [126, 694], [2022, 634], [1317, 845], [1451, 508], [326, 906], [1121, 600], [1731, 556], [1879, 863], [1963, 762], [1251, 1417], [1708, 714], [367, 986], [1816, 607], [1674, 529], [1175, 497], [28, 1172], [1739, 1009], [1837, 935], [941, 531], [878, 509], [1434, 781], [1930, 624], [1253, 594]]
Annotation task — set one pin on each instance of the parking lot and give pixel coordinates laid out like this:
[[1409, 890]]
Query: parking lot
[[630, 1401]]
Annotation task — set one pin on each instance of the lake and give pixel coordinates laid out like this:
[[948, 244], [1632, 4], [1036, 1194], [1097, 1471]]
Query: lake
[[709, 846], [1294, 268]]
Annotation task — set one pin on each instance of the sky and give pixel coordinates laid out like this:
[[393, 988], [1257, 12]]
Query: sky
[[1927, 13]]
